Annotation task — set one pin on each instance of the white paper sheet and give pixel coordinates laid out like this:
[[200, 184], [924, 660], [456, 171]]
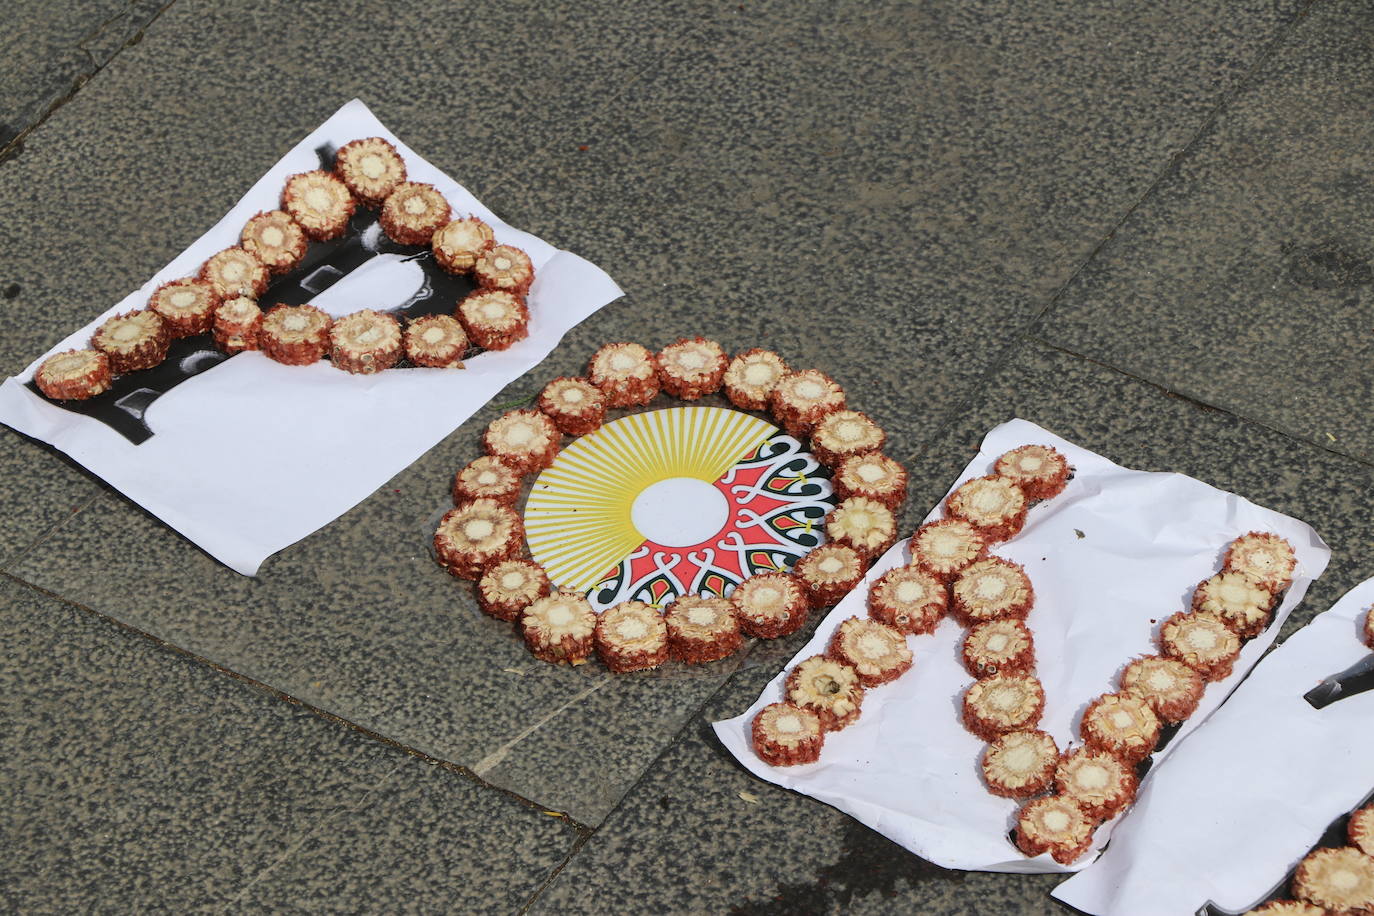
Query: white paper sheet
[[1228, 817], [910, 770], [251, 456]]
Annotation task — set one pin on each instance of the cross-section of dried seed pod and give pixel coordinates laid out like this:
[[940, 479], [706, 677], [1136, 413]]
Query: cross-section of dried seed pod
[[1342, 880], [1040, 471], [132, 341], [1055, 825], [187, 306], [73, 375], [1003, 703], [844, 434], [632, 636], [876, 651], [1020, 764], [494, 319], [488, 477], [802, 399], [575, 405], [510, 586], [1287, 908], [365, 342], [872, 475], [296, 335], [560, 628], [504, 267], [991, 589], [626, 373], [1172, 689], [319, 203], [371, 168], [1267, 557], [524, 439], [275, 239], [1122, 724], [475, 535], [752, 376], [946, 547], [828, 573], [413, 212], [691, 368], [1100, 783], [1238, 599], [863, 524], [238, 322], [1201, 641], [1369, 628], [436, 342], [770, 605], [1361, 830], [234, 272], [458, 245], [908, 599], [994, 504], [829, 688], [998, 647], [702, 629], [785, 735]]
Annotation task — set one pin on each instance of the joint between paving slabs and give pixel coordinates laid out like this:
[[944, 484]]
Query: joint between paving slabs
[[47, 533]]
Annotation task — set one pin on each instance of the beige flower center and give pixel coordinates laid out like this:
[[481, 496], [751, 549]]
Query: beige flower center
[[512, 580], [319, 199], [997, 642], [493, 311], [849, 431], [560, 615], [1159, 679], [691, 359], [573, 395], [232, 270], [621, 362], [1121, 719], [1344, 879], [1233, 593], [416, 205], [870, 473], [1092, 776], [273, 237], [478, 528], [701, 616], [183, 298], [373, 166], [909, 591], [1004, 698], [872, 645], [370, 336], [830, 565], [633, 628], [1031, 463], [758, 374], [1201, 638], [486, 478], [1057, 820], [789, 724], [432, 335], [501, 262], [1020, 757], [125, 332], [990, 587], [767, 596], [520, 434], [295, 322], [810, 389]]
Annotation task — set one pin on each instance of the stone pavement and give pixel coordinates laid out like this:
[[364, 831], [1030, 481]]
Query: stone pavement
[[1144, 226]]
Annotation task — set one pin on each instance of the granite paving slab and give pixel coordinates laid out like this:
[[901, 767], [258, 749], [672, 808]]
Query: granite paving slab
[[39, 489], [136, 779], [1247, 279]]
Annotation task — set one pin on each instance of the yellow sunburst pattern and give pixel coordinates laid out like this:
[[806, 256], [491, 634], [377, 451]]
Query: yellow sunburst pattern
[[578, 517]]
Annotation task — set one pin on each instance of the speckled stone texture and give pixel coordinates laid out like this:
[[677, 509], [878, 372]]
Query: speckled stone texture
[[135, 779], [1247, 279]]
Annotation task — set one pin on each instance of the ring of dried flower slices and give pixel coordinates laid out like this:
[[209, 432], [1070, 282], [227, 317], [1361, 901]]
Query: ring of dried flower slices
[[699, 629], [220, 297]]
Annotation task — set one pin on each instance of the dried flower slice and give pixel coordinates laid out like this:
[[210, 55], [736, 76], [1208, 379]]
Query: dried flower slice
[[1267, 557], [488, 477], [828, 573], [73, 375], [371, 168], [1202, 642], [575, 405], [802, 399], [1287, 908], [770, 605], [494, 319], [1003, 703], [908, 599], [238, 322], [275, 239], [560, 628], [1172, 689], [365, 342], [1040, 471], [844, 434], [752, 376], [1238, 599], [1122, 724], [504, 267], [132, 341], [319, 203], [458, 245], [436, 342], [632, 636], [1361, 830], [524, 439], [1342, 880], [1055, 825], [872, 475], [475, 535], [1020, 764], [296, 335], [234, 272], [946, 547], [875, 650], [994, 504], [829, 688], [691, 368], [1100, 783], [702, 629], [510, 586], [413, 212], [863, 524], [785, 735], [991, 589], [187, 306], [1369, 628], [998, 647], [626, 373]]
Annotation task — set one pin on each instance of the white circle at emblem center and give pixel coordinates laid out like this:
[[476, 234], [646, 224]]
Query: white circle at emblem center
[[679, 512]]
